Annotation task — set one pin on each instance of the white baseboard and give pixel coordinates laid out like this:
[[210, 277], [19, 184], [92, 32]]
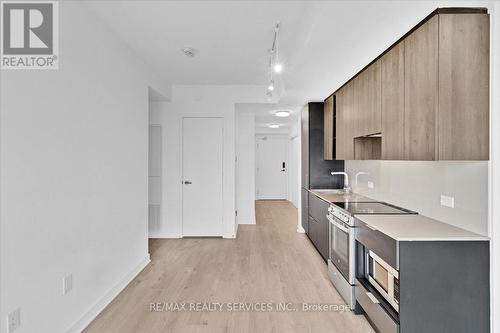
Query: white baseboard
[[87, 318], [246, 220], [163, 235], [300, 229]]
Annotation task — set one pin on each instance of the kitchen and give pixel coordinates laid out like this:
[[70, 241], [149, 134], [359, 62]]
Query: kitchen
[[251, 166], [406, 119]]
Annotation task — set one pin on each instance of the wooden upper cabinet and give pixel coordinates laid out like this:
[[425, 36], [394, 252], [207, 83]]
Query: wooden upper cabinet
[[464, 86], [367, 94], [340, 125], [344, 123], [393, 103], [421, 91], [349, 123], [428, 95], [328, 132]]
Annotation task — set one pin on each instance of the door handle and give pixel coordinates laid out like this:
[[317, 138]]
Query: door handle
[[187, 182]]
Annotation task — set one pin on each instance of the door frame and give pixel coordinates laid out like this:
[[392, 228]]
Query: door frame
[[181, 164], [287, 161]]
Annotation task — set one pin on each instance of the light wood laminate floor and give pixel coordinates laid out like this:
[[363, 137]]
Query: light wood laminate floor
[[268, 262]]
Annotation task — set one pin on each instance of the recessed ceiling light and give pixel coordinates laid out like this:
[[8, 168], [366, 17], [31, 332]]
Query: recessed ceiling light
[[189, 51], [274, 125], [282, 113], [271, 86]]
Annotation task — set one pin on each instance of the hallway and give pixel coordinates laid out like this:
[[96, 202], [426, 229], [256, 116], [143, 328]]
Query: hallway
[[269, 262]]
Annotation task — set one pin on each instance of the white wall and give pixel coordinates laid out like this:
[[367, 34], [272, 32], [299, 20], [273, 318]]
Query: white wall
[[245, 168], [294, 166], [192, 101], [73, 177]]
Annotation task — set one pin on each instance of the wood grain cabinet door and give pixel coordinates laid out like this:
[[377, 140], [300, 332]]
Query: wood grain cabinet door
[[421, 92], [349, 121], [464, 86], [393, 103], [339, 125], [344, 123], [368, 92], [328, 132]]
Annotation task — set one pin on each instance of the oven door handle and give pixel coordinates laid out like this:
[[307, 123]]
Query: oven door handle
[[337, 225]]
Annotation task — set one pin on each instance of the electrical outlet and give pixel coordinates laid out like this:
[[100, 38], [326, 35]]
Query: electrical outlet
[[14, 320], [447, 201], [371, 185], [67, 284]]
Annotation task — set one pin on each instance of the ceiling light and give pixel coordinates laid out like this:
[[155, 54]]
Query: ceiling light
[[271, 86], [282, 113], [274, 125], [278, 67]]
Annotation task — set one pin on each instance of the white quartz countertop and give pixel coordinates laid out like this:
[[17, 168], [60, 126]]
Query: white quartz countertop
[[418, 228]]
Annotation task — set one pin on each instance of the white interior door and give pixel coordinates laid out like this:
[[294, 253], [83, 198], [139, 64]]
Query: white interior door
[[272, 163], [202, 200]]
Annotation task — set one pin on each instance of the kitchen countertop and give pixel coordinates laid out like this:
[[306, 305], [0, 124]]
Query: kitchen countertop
[[344, 197], [418, 228]]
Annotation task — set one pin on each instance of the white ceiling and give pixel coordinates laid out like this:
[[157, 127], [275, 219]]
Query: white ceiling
[[322, 43], [265, 114], [232, 37]]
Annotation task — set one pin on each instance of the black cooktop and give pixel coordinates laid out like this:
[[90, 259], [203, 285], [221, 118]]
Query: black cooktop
[[354, 208]]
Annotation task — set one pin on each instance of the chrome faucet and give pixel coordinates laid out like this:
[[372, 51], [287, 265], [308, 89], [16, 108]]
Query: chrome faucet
[[347, 188], [359, 174]]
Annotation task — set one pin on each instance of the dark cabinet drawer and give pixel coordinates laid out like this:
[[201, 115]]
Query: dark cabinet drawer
[[371, 305], [318, 209], [318, 224], [382, 245], [313, 230]]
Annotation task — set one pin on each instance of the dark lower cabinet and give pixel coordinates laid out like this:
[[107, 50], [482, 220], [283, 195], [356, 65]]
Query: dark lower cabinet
[[313, 232], [318, 224], [443, 286], [305, 210]]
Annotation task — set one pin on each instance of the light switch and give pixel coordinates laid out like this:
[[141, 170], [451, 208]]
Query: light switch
[[447, 201], [67, 284]]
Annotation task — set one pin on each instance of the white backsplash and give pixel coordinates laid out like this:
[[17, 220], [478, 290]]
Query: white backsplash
[[418, 185]]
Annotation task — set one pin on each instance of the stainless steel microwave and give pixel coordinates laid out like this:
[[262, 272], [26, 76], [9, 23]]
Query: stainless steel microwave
[[383, 277]]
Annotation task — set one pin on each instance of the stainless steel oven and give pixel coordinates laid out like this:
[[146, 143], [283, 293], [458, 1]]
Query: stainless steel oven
[[342, 244], [341, 263]]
